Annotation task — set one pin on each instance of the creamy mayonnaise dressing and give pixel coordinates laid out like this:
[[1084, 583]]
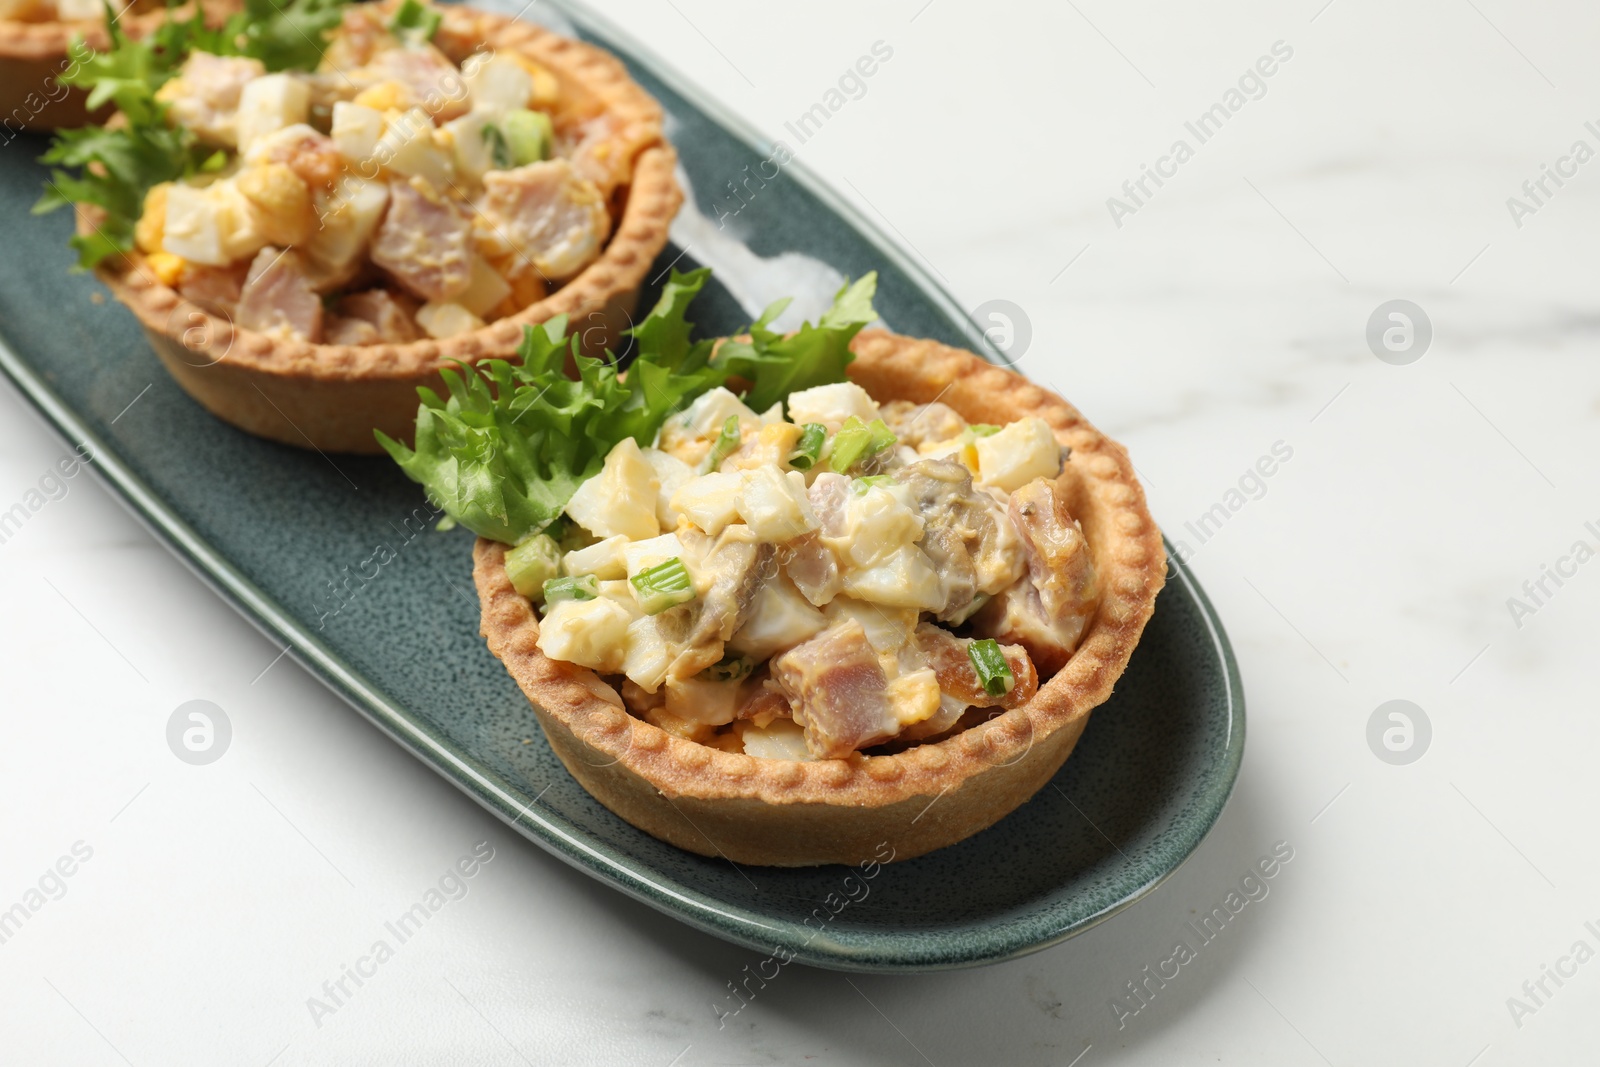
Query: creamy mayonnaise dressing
[[824, 585]]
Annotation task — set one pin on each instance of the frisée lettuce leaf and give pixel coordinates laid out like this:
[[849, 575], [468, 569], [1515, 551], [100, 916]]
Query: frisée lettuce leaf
[[506, 450], [777, 364]]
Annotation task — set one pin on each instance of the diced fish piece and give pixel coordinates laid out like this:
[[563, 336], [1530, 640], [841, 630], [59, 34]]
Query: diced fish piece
[[919, 424], [813, 568], [390, 316], [597, 155], [360, 35], [763, 702], [430, 80], [204, 97], [277, 298], [947, 655], [425, 242], [1047, 610], [372, 317], [313, 156], [837, 691], [971, 543], [338, 330], [731, 570], [551, 219], [216, 289]]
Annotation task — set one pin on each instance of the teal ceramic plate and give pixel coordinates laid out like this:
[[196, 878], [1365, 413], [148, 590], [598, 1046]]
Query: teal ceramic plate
[[271, 527]]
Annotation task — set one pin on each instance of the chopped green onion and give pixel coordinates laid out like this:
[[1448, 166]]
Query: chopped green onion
[[415, 20], [994, 673], [984, 429], [809, 447], [857, 441], [585, 587], [533, 562], [732, 668], [499, 149], [727, 441], [666, 585], [529, 135], [863, 485]]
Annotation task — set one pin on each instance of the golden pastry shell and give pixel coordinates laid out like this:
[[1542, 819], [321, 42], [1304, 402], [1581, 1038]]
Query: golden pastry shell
[[793, 813], [331, 397]]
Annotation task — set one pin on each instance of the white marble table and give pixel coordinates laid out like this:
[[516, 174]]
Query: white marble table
[[1225, 317]]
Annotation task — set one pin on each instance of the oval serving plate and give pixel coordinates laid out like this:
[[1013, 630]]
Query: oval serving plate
[[273, 529]]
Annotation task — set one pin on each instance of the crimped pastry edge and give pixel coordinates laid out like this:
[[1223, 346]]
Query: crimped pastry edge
[[33, 54], [50, 40], [1131, 563]]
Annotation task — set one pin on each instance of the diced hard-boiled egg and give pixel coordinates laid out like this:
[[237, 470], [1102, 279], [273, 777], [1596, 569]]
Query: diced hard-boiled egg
[[190, 228], [346, 219], [642, 555], [590, 633], [774, 505], [831, 405], [148, 230], [771, 446], [408, 147], [711, 411], [473, 151], [1019, 453], [356, 130], [914, 696], [710, 501], [446, 318], [779, 619], [498, 84], [167, 267], [485, 289], [619, 591], [904, 578], [702, 700], [211, 225], [603, 559], [648, 653], [621, 499], [780, 739], [877, 523], [386, 95], [887, 628], [268, 104], [281, 202], [671, 472]]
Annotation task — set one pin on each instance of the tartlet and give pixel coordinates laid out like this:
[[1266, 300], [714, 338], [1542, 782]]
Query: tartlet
[[332, 396], [35, 52], [797, 813]]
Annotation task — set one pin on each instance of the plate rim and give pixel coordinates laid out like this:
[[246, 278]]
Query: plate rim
[[557, 836], [565, 841]]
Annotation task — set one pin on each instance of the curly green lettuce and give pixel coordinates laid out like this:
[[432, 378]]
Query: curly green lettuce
[[777, 364], [512, 443]]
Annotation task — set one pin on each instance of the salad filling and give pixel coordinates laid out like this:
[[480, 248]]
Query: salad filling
[[327, 173], [760, 556]]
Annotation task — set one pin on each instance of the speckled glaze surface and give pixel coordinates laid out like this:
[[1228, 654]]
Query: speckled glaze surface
[[272, 528]]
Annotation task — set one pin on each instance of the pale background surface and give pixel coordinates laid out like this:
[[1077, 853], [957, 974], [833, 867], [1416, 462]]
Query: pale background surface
[[1227, 315]]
